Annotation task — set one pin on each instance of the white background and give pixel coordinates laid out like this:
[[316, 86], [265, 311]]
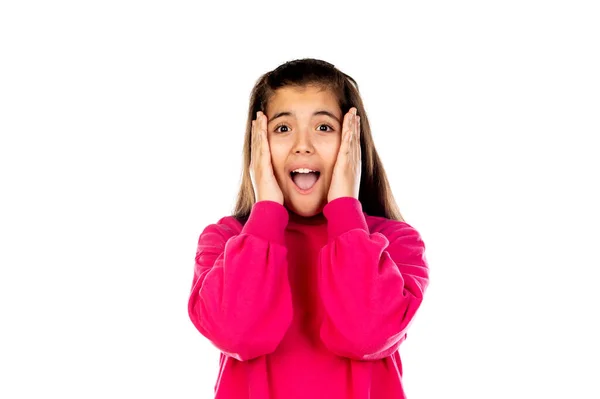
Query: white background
[[121, 136]]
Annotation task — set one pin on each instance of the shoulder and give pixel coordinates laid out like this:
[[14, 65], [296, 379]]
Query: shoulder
[[405, 244], [220, 231], [394, 230]]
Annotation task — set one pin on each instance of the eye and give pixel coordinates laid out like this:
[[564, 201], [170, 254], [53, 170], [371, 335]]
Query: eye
[[281, 125], [319, 128], [325, 126]]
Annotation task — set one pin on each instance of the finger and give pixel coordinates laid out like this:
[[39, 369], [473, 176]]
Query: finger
[[352, 141], [352, 133], [358, 149], [262, 132], [346, 133], [252, 144], [356, 142], [255, 141]]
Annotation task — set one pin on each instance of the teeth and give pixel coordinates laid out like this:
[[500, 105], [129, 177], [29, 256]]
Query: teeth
[[303, 170]]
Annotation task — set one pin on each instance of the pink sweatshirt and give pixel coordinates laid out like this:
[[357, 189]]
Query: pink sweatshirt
[[305, 308]]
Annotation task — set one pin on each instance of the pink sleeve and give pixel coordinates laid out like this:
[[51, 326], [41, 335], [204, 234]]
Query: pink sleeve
[[370, 284], [240, 298]]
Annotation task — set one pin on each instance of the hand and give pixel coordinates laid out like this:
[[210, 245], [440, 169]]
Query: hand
[[345, 181], [261, 170]]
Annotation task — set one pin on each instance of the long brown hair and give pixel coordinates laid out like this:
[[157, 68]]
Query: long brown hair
[[375, 193]]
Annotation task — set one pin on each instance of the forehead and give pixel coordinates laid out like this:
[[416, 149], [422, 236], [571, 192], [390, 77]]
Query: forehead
[[305, 98]]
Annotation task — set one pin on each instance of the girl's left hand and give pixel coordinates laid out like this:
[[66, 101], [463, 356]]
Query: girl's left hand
[[345, 181]]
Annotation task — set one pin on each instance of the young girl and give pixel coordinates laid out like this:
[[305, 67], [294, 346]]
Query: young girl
[[308, 289]]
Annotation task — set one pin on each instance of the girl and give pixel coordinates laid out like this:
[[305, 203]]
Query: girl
[[308, 289]]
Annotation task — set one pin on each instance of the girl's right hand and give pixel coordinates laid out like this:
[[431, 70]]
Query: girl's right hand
[[261, 169]]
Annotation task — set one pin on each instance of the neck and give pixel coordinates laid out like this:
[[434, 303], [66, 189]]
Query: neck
[[319, 218]]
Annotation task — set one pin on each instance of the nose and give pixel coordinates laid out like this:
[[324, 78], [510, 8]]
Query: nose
[[303, 143]]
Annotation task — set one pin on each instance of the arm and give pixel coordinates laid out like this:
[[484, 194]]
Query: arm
[[240, 298], [371, 284]]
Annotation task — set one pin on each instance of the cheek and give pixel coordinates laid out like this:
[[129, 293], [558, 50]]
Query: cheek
[[329, 154], [278, 160], [278, 154]]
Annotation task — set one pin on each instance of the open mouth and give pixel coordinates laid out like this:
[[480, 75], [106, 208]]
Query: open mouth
[[305, 182]]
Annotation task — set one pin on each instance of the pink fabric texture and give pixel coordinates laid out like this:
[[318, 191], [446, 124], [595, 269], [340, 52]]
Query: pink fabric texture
[[314, 309]]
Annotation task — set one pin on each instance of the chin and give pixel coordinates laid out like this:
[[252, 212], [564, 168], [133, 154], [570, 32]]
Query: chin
[[305, 210]]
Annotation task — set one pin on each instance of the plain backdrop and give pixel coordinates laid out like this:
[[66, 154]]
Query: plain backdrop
[[121, 139]]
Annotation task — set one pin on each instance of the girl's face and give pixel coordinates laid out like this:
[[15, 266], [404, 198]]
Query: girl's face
[[304, 130]]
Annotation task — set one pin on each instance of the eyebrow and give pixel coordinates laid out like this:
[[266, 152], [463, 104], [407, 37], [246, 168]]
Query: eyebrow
[[320, 112]]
